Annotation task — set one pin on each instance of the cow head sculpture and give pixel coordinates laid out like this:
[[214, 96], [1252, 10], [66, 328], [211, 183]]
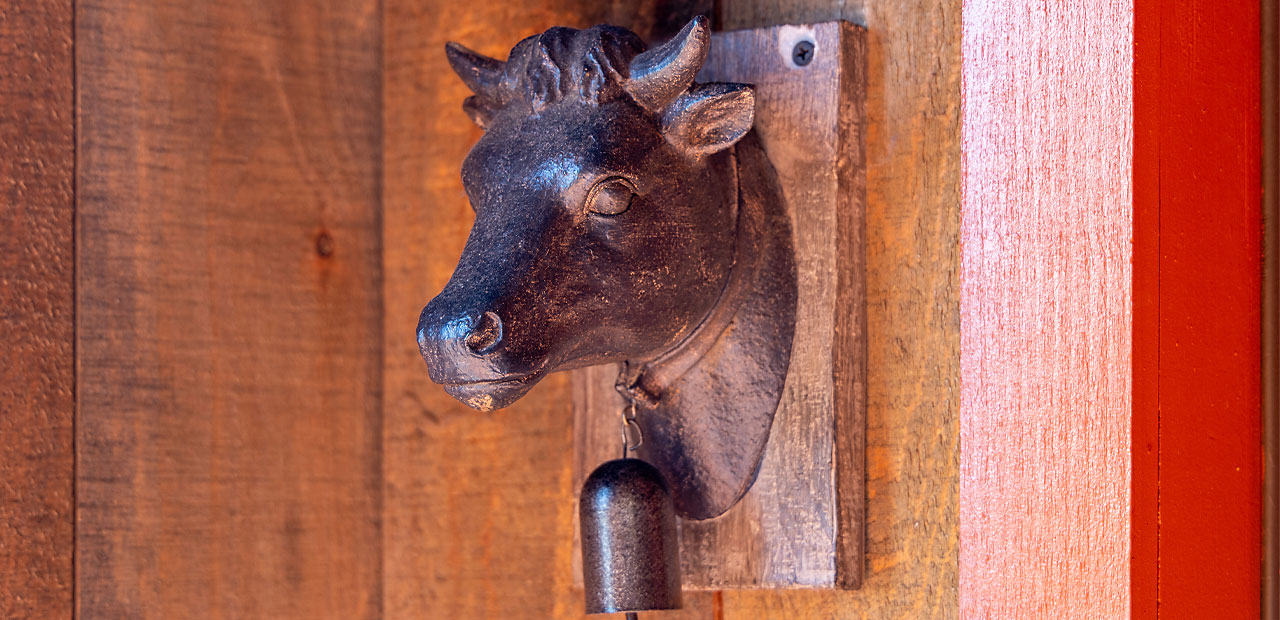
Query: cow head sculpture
[[605, 199]]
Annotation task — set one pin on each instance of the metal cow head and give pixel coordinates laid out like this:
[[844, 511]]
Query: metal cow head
[[605, 198]]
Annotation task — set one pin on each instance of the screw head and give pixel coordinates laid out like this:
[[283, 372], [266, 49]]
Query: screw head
[[802, 53]]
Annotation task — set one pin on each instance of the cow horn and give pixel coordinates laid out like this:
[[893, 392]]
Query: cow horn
[[661, 74], [483, 75]]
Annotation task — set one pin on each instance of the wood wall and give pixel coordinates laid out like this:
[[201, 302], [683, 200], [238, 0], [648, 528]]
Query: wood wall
[[478, 507], [37, 309], [229, 316], [219, 220], [265, 194]]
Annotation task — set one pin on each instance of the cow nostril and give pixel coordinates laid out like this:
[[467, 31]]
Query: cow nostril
[[486, 334]]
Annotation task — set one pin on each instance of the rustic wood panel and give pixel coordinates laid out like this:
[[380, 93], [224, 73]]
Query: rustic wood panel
[[913, 261], [1197, 516], [802, 522], [1046, 311], [229, 321], [478, 508], [37, 309]]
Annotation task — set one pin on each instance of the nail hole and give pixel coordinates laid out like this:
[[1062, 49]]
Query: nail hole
[[324, 245]]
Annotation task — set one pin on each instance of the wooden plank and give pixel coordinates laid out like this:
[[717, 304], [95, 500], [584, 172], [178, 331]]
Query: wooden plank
[[478, 517], [229, 346], [37, 309], [1046, 312], [1197, 236], [913, 371], [1145, 480], [802, 522], [478, 509]]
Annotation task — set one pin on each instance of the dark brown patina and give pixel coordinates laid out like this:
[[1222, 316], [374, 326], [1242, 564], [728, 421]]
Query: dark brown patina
[[630, 547], [624, 213]]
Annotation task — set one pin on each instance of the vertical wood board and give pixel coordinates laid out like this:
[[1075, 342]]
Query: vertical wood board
[[913, 369], [1197, 445], [1046, 311], [229, 321], [37, 309], [802, 522]]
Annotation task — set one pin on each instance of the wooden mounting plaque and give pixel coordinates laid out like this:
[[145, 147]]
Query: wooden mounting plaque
[[802, 524]]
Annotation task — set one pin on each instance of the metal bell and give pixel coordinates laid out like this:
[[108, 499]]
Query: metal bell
[[630, 550]]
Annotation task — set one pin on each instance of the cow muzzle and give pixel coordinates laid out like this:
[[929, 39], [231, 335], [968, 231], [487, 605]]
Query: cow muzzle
[[465, 354]]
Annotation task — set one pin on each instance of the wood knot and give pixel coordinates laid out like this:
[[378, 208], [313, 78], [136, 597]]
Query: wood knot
[[324, 244]]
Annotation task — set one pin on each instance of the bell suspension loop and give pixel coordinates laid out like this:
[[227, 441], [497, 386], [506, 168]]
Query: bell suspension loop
[[632, 436]]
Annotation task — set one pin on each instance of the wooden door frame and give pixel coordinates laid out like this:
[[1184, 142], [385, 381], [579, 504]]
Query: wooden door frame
[[1175, 233], [1197, 310], [1270, 94]]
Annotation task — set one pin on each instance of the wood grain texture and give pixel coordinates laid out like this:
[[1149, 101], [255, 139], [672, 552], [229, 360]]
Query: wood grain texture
[[802, 522], [1197, 516], [229, 321], [913, 261], [1046, 312], [37, 304], [478, 508]]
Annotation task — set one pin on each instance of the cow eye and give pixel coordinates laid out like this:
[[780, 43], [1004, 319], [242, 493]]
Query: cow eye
[[611, 196]]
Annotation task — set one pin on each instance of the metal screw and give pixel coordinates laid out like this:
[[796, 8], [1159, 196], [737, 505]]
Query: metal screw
[[802, 54]]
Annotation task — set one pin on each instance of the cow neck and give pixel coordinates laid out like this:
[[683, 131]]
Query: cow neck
[[645, 381]]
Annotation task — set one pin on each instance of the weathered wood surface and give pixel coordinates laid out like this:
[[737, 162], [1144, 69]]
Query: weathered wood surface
[[802, 522], [913, 261], [1197, 464], [37, 309], [229, 329], [1046, 312], [478, 508]]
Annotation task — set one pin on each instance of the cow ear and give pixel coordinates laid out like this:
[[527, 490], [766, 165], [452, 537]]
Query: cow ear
[[710, 117], [480, 110]]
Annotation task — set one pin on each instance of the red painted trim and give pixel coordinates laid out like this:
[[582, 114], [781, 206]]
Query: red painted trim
[[1145, 502], [1089, 409], [1197, 276]]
